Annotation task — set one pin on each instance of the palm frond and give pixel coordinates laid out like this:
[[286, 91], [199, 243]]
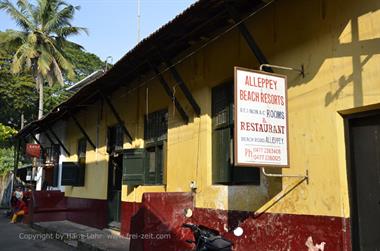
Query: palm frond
[[19, 59], [59, 19], [70, 31], [30, 9], [26, 9], [10, 40], [17, 15], [50, 79], [64, 43], [57, 72], [44, 62]]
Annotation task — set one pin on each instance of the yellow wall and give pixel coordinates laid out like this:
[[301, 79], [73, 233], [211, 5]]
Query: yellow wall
[[338, 44]]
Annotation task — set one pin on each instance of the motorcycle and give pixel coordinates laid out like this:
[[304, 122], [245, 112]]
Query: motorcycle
[[206, 239]]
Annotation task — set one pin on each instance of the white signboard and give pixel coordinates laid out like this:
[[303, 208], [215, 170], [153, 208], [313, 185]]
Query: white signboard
[[261, 119]]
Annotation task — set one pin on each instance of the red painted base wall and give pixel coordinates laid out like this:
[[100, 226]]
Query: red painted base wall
[[89, 212], [155, 224], [277, 231], [54, 206], [163, 213]]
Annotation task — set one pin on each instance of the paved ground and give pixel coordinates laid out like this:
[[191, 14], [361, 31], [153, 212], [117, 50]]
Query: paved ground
[[84, 237], [20, 237]]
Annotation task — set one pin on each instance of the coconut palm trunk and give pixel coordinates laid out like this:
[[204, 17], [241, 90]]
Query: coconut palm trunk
[[40, 99]]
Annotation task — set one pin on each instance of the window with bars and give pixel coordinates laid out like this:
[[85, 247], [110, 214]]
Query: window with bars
[[156, 126], [223, 169], [115, 138]]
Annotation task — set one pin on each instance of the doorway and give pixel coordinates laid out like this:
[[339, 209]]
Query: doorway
[[115, 172], [363, 155]]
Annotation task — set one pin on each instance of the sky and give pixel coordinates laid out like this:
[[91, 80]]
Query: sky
[[112, 24]]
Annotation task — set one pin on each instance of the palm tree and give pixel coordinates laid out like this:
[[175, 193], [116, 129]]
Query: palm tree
[[45, 28]]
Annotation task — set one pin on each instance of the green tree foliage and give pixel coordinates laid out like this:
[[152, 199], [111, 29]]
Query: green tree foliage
[[6, 160], [6, 134], [6, 149], [84, 62], [17, 95]]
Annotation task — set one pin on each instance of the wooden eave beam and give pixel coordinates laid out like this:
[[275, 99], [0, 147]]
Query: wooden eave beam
[[117, 116], [82, 130], [247, 36], [182, 85], [48, 136], [169, 92], [38, 142], [59, 141]]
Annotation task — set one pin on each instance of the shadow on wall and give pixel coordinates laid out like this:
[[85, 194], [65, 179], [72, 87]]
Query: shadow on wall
[[360, 52], [329, 32]]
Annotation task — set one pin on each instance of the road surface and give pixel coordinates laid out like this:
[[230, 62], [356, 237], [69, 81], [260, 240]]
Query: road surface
[[20, 237]]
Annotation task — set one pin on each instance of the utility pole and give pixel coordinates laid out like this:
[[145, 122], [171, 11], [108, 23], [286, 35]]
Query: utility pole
[[22, 120], [138, 21]]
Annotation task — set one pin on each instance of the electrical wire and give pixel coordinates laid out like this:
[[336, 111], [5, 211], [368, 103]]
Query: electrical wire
[[199, 48]]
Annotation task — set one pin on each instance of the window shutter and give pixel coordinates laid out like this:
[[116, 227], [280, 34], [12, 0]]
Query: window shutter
[[134, 162], [69, 173], [72, 174], [221, 138], [80, 176], [119, 137], [160, 164], [221, 155]]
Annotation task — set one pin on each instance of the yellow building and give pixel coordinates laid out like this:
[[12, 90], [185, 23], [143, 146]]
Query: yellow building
[[153, 136]]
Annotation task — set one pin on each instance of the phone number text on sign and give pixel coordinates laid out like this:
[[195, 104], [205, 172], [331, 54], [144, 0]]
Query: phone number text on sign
[[261, 119]]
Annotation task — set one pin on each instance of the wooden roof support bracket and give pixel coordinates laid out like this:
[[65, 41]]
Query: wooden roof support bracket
[[82, 130], [247, 36], [170, 94], [59, 141], [37, 141], [182, 85], [117, 116], [48, 137]]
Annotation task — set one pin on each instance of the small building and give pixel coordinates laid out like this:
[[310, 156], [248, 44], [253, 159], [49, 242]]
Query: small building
[[153, 137]]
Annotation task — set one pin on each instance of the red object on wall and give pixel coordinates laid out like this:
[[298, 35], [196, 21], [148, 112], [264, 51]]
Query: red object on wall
[[33, 150]]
